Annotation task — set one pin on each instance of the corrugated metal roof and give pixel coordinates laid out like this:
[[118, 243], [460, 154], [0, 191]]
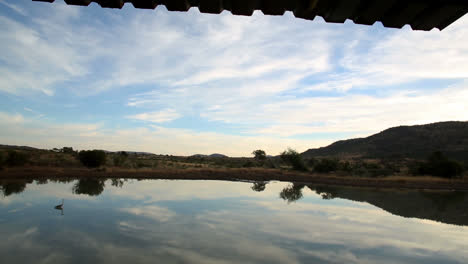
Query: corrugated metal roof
[[419, 14]]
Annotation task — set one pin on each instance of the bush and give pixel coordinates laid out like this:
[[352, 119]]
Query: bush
[[120, 158], [16, 158], [2, 159], [248, 164], [294, 159], [365, 169], [92, 158], [326, 165], [311, 162], [439, 165], [345, 166]]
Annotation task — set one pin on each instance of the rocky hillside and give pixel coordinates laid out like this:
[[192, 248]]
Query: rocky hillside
[[404, 141]]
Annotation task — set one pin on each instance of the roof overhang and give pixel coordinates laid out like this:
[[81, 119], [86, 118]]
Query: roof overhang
[[419, 14]]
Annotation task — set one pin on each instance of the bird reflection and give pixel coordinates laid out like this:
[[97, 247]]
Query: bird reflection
[[59, 207]]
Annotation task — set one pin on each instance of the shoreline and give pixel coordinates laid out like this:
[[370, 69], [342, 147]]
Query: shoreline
[[244, 174]]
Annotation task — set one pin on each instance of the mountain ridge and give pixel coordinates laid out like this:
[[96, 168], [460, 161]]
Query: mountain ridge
[[418, 141]]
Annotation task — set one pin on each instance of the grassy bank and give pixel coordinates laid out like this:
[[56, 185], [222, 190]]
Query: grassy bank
[[29, 163], [247, 174]]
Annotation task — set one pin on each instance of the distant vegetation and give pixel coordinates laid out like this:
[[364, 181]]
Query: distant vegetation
[[395, 151], [92, 158], [14, 158], [439, 165], [120, 158]]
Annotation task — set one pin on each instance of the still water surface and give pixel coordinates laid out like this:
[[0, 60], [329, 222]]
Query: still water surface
[[161, 221]]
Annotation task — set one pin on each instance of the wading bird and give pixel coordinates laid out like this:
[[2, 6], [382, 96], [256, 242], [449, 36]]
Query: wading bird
[[60, 207]]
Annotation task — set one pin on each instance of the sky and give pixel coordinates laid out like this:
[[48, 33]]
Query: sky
[[186, 83]]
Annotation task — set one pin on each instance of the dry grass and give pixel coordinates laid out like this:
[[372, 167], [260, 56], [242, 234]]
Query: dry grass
[[249, 174]]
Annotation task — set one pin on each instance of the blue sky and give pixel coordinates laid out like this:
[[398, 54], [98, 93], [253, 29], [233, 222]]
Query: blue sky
[[185, 83]]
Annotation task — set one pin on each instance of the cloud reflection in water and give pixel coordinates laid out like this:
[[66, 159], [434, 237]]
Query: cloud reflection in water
[[222, 222]]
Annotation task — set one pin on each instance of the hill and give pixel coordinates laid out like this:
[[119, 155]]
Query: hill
[[17, 147], [214, 155], [404, 142]]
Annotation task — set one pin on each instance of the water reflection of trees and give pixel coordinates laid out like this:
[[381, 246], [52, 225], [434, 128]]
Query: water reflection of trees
[[118, 182], [91, 187], [259, 186], [292, 192], [443, 206], [326, 193], [12, 187]]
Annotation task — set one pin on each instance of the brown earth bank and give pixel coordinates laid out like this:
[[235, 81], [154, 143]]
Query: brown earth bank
[[243, 174]]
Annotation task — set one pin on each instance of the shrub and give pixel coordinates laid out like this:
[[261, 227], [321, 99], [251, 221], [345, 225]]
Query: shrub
[[326, 165], [311, 162], [2, 159], [294, 159], [270, 164], [345, 166], [120, 158], [439, 165], [92, 158], [365, 169], [248, 164], [16, 158]]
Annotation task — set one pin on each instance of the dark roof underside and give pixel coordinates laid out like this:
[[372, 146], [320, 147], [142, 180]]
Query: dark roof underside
[[419, 14]]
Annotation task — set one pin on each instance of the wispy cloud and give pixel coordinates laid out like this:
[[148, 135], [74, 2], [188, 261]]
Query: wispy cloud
[[157, 117], [37, 58], [14, 7], [20, 130]]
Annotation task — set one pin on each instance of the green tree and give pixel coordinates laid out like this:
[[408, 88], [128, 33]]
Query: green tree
[[259, 154], [92, 158], [293, 158]]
